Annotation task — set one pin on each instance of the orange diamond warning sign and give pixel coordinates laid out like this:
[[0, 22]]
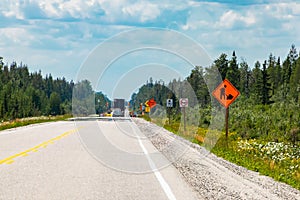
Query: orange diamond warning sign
[[226, 93], [150, 103]]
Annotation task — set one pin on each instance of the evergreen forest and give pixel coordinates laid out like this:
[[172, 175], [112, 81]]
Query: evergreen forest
[[269, 99], [28, 94]]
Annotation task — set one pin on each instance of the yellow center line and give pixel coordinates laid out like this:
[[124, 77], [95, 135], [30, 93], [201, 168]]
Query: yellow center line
[[9, 160]]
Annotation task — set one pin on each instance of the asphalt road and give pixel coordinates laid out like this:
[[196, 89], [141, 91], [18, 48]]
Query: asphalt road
[[86, 160]]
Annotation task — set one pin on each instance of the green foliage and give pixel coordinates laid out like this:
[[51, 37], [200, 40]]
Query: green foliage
[[245, 78], [55, 102], [266, 85], [83, 101], [102, 103], [271, 122], [278, 160], [197, 82], [233, 72], [146, 117], [24, 94], [222, 65]]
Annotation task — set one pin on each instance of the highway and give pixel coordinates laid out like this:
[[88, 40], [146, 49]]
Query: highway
[[86, 160]]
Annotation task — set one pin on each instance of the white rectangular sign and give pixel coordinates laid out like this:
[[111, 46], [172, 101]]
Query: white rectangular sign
[[169, 103]]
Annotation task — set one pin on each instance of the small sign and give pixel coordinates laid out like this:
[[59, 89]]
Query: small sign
[[226, 93], [169, 103], [184, 102]]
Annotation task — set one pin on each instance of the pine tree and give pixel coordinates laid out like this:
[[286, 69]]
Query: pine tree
[[286, 76], [256, 83], [245, 74], [222, 65], [233, 74], [293, 56], [295, 82], [278, 74], [198, 84], [265, 85], [271, 70], [55, 102]]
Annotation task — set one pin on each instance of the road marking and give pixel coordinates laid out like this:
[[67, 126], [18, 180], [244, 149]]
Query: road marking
[[10, 159], [165, 186]]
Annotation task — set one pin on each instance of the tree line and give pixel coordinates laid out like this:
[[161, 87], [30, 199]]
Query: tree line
[[25, 94], [265, 88], [265, 83]]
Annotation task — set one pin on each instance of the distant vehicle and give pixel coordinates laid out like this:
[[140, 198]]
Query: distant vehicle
[[117, 112], [118, 107], [108, 114]]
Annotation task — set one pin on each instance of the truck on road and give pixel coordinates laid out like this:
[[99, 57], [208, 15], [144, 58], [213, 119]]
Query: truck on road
[[118, 107]]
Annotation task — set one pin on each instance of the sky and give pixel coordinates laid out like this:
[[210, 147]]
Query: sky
[[58, 36]]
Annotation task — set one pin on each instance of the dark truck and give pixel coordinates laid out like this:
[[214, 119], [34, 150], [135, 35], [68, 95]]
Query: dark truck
[[118, 108]]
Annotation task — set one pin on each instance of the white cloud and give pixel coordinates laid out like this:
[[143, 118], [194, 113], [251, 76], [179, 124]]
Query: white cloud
[[19, 9], [228, 19], [50, 9], [120, 11], [231, 18], [18, 36], [80, 8], [105, 11], [283, 10], [253, 30], [202, 15], [11, 9], [72, 8], [194, 25], [145, 11]]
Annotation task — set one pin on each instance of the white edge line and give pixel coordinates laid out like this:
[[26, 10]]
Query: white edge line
[[158, 175]]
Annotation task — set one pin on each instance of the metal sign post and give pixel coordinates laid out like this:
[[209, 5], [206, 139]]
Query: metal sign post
[[226, 121], [169, 107], [184, 119], [183, 103]]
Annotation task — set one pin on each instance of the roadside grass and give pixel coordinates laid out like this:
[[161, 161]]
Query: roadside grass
[[279, 160], [32, 120]]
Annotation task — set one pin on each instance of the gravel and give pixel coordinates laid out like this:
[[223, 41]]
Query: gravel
[[210, 176]]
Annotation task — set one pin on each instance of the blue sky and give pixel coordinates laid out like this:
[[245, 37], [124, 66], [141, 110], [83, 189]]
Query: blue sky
[[57, 36]]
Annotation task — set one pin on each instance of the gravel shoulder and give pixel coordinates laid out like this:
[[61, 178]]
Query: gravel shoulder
[[210, 176]]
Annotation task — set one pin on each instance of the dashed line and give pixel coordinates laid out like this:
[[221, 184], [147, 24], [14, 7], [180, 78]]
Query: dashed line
[[10, 159]]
